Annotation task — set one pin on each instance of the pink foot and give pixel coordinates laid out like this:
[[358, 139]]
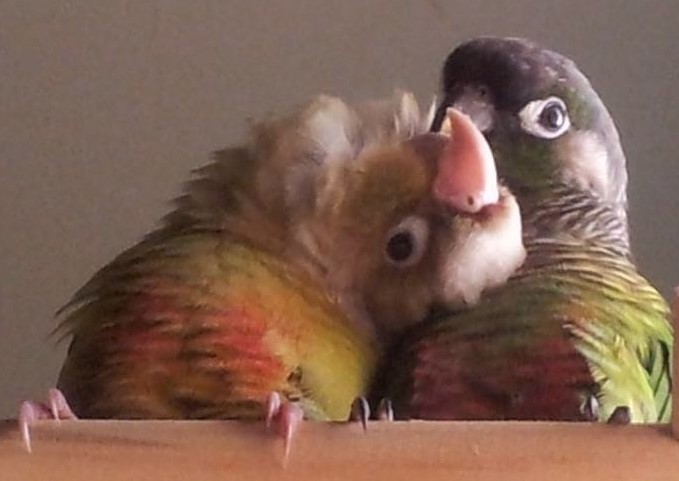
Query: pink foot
[[287, 415], [56, 407]]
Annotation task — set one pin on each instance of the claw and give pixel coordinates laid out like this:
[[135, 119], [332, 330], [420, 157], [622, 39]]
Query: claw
[[27, 416], [288, 416], [621, 416], [385, 410], [59, 406], [590, 408], [273, 406], [29, 412], [360, 411]]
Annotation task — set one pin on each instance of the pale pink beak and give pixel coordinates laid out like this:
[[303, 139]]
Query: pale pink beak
[[467, 177]]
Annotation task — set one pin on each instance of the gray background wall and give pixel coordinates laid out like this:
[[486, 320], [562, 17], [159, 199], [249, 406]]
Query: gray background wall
[[105, 106]]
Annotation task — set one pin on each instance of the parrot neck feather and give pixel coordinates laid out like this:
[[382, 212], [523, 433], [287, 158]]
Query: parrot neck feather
[[562, 211]]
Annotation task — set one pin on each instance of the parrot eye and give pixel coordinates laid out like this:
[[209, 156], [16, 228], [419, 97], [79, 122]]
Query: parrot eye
[[552, 117], [406, 242], [545, 118]]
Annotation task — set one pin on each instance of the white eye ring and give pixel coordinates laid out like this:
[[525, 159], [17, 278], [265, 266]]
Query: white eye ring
[[532, 120], [406, 243]]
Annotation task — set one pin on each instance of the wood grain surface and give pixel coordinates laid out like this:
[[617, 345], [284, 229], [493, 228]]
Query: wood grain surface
[[230, 450]]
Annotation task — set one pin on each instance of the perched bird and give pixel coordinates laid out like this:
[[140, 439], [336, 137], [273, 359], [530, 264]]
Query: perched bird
[[577, 333], [288, 261]]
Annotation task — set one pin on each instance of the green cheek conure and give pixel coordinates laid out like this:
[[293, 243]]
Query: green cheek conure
[[577, 333]]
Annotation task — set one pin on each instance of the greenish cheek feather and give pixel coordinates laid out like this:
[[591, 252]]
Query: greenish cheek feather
[[578, 111], [526, 162]]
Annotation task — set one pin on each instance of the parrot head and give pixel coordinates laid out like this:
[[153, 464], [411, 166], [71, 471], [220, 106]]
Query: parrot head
[[545, 123], [395, 220], [400, 220]]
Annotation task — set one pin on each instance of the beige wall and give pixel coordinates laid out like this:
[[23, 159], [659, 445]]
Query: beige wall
[[106, 105]]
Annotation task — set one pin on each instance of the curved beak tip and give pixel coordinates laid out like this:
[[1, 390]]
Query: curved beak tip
[[467, 177]]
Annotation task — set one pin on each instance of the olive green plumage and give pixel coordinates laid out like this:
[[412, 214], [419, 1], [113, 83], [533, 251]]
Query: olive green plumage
[[223, 304], [577, 332], [199, 324], [577, 321]]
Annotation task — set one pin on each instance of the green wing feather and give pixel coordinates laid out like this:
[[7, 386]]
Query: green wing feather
[[577, 319], [202, 325], [621, 325]]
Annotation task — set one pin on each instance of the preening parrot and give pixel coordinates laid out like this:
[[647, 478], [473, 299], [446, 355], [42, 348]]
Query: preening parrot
[[577, 333], [286, 264]]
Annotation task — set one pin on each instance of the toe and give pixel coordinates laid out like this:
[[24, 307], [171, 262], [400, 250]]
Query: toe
[[287, 416], [273, 407], [385, 410], [29, 412], [590, 408], [360, 411], [291, 416], [621, 415], [59, 406]]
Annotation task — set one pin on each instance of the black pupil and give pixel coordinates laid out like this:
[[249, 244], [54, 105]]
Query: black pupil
[[553, 117], [400, 246]]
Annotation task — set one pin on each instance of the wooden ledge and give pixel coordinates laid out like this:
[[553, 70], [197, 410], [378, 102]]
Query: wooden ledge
[[230, 450]]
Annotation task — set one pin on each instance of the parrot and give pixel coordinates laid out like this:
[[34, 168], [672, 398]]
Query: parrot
[[286, 265], [577, 333]]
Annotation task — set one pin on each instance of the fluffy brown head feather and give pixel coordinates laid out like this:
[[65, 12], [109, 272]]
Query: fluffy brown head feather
[[346, 193]]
